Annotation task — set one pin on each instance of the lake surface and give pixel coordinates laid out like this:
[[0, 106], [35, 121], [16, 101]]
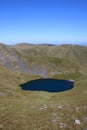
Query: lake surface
[[49, 85]]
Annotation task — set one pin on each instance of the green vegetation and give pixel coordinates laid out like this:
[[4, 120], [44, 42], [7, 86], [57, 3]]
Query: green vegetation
[[24, 110], [27, 110]]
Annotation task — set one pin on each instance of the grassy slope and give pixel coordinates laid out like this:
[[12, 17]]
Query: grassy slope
[[26, 110], [68, 54]]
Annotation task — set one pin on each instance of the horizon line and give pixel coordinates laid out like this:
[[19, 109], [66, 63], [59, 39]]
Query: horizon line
[[49, 43]]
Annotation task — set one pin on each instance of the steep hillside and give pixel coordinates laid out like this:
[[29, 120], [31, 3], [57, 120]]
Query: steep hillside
[[71, 54], [13, 60], [32, 59], [28, 110], [45, 59]]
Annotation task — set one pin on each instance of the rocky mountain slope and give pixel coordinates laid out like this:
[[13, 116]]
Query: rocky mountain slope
[[15, 61], [45, 59]]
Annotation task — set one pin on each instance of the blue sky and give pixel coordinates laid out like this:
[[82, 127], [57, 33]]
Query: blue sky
[[43, 21]]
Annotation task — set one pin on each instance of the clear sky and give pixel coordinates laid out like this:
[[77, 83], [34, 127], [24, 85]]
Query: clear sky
[[43, 21]]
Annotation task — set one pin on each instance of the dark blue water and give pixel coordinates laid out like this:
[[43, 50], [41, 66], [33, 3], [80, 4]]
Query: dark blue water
[[49, 85]]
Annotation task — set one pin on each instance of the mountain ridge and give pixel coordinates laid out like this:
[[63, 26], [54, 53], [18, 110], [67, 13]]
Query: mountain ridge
[[40, 59]]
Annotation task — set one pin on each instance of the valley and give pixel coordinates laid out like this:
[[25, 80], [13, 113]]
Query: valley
[[41, 110]]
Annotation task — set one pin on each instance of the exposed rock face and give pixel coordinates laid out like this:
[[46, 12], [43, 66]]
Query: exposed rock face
[[10, 58]]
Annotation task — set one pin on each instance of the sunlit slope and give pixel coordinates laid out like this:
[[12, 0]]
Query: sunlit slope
[[75, 53], [28, 110], [29, 61], [24, 110]]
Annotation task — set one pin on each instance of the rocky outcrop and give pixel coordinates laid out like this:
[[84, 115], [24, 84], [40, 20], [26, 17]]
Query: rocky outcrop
[[12, 60]]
